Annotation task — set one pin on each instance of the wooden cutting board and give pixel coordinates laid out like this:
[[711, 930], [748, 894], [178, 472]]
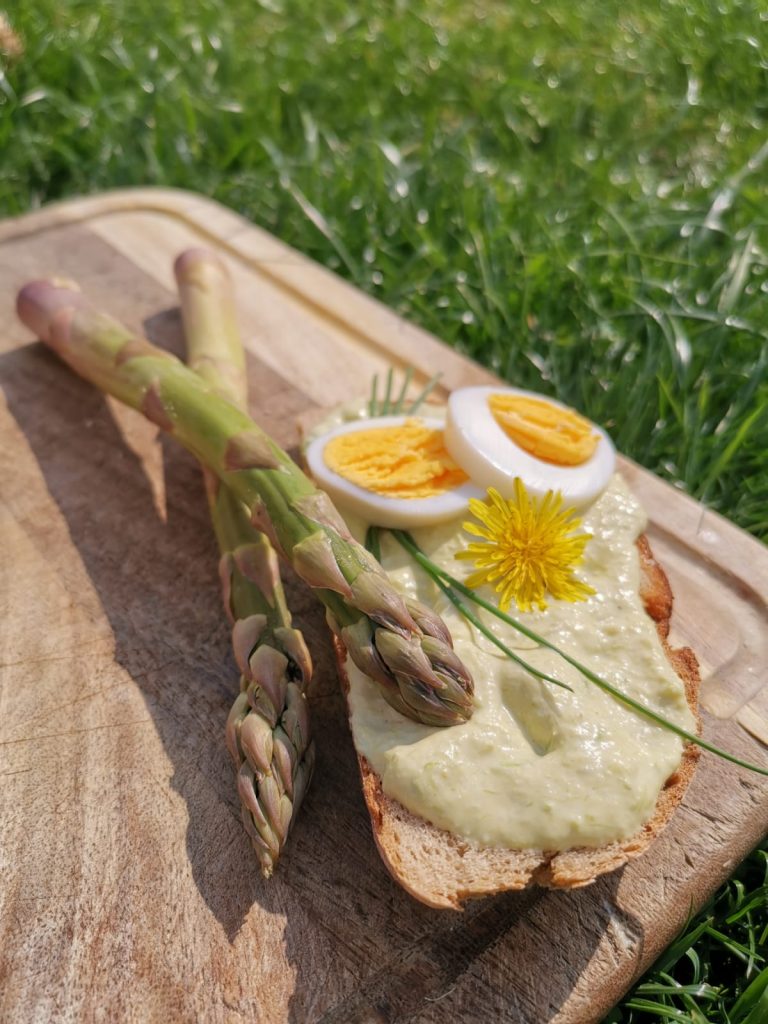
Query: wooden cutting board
[[129, 890]]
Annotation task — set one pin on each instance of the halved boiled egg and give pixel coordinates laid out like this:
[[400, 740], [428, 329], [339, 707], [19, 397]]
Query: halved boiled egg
[[497, 434], [392, 471]]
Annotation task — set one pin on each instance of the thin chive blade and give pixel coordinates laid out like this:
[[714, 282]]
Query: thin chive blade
[[469, 615], [424, 394], [373, 401], [603, 684], [387, 393], [398, 406], [373, 541]]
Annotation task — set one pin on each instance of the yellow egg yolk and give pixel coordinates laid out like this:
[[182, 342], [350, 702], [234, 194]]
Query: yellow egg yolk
[[404, 461], [550, 433]]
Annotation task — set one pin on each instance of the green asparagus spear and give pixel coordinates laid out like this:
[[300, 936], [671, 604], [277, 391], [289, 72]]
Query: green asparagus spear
[[268, 731], [214, 347], [404, 648]]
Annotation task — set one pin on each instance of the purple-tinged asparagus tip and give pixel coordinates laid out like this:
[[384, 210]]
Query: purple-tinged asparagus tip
[[40, 303], [190, 260]]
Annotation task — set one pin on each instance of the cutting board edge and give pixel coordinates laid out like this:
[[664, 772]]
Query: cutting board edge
[[191, 206]]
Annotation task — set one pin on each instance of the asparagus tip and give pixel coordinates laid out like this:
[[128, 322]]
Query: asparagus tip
[[188, 263], [39, 302]]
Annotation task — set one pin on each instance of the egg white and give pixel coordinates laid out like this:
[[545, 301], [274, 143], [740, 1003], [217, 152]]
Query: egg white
[[380, 509], [490, 458]]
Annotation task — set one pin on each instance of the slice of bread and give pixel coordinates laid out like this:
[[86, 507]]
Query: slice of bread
[[442, 870]]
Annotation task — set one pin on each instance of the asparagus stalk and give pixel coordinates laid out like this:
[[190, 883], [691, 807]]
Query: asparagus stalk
[[401, 645], [268, 730], [214, 348]]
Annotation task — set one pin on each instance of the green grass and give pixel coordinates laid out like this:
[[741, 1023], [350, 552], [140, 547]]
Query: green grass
[[716, 970], [572, 193]]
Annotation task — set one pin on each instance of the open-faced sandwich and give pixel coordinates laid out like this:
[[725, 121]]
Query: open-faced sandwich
[[518, 712], [503, 512]]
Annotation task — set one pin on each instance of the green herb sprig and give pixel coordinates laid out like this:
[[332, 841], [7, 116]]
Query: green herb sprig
[[388, 406], [449, 584]]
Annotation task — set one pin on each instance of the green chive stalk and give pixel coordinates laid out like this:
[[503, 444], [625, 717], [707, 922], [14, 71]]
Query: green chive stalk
[[445, 580]]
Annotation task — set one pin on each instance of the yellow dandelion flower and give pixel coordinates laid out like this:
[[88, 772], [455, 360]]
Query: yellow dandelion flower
[[528, 547]]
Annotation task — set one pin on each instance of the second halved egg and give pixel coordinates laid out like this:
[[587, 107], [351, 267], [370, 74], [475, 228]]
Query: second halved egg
[[497, 434]]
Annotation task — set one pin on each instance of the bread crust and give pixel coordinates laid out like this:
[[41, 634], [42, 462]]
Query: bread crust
[[411, 847]]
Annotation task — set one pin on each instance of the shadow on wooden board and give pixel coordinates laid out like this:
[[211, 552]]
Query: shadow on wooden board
[[155, 577]]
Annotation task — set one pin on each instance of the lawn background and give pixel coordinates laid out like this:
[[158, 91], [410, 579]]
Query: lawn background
[[573, 194]]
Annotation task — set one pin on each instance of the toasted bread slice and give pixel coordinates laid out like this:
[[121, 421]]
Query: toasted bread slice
[[442, 870]]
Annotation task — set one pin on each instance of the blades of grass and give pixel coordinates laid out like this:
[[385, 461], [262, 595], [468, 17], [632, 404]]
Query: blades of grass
[[664, 1012], [738, 949], [733, 446], [759, 1012], [426, 391], [681, 946], [663, 319], [670, 398], [739, 892], [739, 268], [752, 1005], [398, 406], [630, 702], [674, 988], [315, 217], [756, 901], [694, 960], [694, 1010]]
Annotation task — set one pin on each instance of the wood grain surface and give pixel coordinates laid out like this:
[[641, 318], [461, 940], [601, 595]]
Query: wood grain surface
[[128, 888]]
